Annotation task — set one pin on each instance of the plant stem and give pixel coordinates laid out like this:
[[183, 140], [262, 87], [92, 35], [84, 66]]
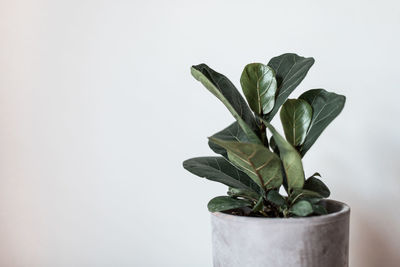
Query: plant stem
[[263, 131], [263, 213], [297, 197], [254, 167], [285, 213], [264, 137]]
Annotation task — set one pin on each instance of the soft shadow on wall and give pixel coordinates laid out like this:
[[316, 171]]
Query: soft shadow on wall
[[375, 216]]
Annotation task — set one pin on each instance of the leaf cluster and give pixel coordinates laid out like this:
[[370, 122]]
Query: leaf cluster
[[253, 166]]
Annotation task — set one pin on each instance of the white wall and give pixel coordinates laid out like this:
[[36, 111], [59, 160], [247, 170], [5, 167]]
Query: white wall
[[98, 110]]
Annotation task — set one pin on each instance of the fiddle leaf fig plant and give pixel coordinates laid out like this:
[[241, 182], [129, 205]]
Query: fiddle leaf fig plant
[[254, 167]]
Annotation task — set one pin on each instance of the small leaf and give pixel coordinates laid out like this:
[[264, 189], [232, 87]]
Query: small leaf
[[240, 192], [291, 160], [316, 185], [301, 208], [259, 86], [262, 165], [319, 209], [290, 69], [326, 107], [274, 197], [232, 133], [223, 203], [225, 91], [296, 118], [220, 170]]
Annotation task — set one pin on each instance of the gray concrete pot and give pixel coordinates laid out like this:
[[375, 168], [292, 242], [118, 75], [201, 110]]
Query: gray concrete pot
[[319, 241]]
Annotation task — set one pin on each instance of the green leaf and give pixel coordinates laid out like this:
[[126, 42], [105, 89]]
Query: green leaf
[[259, 86], [290, 70], [291, 160], [326, 107], [232, 133], [314, 199], [223, 203], [225, 91], [301, 208], [245, 193], [262, 165], [316, 185], [296, 118], [319, 209], [274, 197], [220, 170]]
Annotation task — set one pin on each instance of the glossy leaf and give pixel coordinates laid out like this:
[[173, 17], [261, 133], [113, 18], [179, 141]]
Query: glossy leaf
[[291, 160], [262, 165], [232, 133], [225, 91], [259, 86], [301, 208], [316, 185], [326, 107], [274, 197], [290, 69], [296, 118], [223, 203], [220, 170]]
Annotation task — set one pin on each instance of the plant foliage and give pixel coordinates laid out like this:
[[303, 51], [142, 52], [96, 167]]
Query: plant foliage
[[253, 166]]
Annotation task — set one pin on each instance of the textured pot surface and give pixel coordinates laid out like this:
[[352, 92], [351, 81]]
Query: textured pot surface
[[319, 241]]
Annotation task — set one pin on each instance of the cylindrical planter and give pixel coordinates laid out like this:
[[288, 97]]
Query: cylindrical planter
[[318, 241]]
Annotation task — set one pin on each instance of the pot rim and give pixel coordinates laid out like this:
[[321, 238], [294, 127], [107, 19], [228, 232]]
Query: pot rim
[[343, 213]]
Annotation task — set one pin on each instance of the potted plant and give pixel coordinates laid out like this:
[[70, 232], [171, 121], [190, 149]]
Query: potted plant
[[258, 223]]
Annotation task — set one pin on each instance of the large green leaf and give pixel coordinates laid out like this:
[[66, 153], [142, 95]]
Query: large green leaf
[[223, 203], [262, 165], [259, 86], [290, 70], [290, 158], [326, 107], [220, 170], [232, 133], [225, 91], [296, 118]]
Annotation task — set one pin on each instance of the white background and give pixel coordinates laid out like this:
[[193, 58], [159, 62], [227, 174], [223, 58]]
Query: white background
[[98, 110]]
